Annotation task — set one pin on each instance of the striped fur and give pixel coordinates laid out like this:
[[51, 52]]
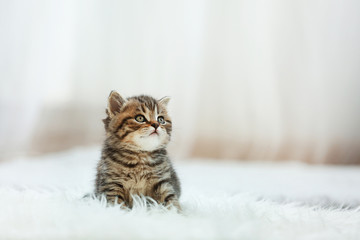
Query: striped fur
[[134, 160]]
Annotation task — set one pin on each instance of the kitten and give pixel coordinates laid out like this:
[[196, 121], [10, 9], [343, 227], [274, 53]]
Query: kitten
[[134, 159]]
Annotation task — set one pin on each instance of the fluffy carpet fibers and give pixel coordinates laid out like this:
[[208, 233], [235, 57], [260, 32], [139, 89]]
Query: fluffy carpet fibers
[[42, 199]]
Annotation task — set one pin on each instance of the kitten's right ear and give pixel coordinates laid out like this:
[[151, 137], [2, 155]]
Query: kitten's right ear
[[115, 102], [164, 101]]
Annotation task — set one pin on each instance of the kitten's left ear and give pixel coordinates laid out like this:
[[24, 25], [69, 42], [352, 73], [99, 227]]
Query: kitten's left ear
[[164, 101], [115, 102]]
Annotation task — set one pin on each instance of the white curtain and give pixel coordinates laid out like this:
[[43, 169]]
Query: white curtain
[[249, 79]]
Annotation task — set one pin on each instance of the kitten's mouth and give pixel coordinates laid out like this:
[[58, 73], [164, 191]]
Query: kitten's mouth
[[154, 133]]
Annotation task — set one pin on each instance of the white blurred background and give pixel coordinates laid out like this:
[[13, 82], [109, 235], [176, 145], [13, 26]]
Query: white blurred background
[[249, 79]]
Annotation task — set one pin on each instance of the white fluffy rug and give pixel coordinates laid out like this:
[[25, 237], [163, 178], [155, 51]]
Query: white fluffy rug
[[42, 199]]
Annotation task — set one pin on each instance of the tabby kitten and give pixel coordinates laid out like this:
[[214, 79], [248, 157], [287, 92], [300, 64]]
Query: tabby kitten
[[134, 159]]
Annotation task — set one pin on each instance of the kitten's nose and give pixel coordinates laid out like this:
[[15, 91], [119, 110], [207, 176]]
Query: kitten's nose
[[155, 125]]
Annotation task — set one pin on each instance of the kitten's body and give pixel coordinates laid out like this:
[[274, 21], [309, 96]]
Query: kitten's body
[[134, 160]]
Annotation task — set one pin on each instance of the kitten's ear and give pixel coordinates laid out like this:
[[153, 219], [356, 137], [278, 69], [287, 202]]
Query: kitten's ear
[[115, 102], [164, 101]]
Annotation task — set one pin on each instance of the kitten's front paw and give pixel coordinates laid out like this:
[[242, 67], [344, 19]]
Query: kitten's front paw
[[173, 204]]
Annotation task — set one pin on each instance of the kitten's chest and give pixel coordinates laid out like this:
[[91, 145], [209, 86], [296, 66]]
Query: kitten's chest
[[141, 178]]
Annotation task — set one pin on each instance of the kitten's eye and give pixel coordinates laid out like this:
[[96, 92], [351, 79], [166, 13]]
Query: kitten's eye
[[161, 120], [140, 118]]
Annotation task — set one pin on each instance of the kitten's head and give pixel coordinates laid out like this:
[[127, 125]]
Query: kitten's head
[[140, 122]]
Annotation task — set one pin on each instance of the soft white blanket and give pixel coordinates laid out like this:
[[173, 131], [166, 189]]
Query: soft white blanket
[[42, 199]]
